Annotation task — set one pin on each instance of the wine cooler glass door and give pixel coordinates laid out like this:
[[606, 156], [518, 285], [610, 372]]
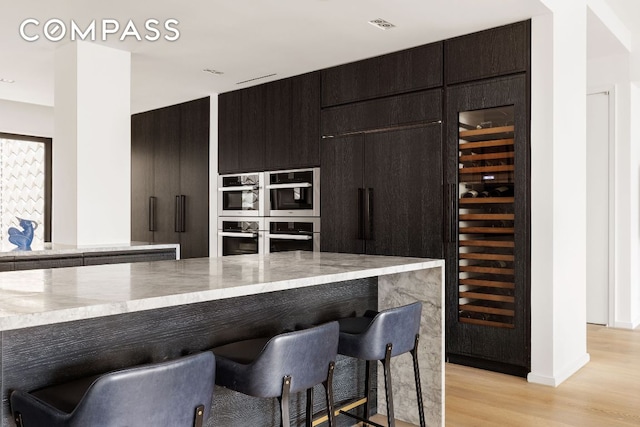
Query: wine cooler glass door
[[486, 217]]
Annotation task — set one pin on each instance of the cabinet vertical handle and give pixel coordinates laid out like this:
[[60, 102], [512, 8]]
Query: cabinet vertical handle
[[177, 220], [152, 213], [453, 215], [361, 223], [368, 214], [183, 213]]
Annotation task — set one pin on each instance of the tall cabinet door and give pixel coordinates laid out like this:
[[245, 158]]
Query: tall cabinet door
[[165, 136], [488, 248], [194, 178], [403, 181], [341, 180], [142, 203]]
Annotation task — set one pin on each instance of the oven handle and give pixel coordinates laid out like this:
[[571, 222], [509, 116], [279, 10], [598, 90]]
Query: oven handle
[[239, 188], [289, 185], [289, 236], [238, 234]]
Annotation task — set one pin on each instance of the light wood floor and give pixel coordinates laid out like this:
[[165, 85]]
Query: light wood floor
[[605, 393]]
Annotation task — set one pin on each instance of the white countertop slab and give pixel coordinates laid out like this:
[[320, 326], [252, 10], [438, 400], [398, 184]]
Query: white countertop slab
[[50, 249], [40, 297]]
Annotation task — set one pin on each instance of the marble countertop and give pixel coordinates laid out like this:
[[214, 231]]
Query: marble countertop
[[40, 297], [49, 249]]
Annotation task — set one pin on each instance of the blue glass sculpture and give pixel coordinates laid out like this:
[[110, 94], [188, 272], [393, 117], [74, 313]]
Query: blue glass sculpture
[[23, 238]]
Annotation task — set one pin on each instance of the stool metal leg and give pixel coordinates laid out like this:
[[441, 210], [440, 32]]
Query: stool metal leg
[[284, 402], [367, 389], [387, 385], [328, 386], [416, 371], [309, 421]]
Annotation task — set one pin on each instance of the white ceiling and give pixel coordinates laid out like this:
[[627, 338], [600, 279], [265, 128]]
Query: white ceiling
[[242, 38]]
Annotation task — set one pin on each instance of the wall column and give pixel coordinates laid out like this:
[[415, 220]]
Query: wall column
[[558, 193], [92, 145]]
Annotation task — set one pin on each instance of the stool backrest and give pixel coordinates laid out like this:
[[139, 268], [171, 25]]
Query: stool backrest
[[162, 394], [305, 355], [398, 326]]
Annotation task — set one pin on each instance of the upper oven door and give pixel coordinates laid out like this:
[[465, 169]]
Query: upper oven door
[[293, 192], [241, 194]]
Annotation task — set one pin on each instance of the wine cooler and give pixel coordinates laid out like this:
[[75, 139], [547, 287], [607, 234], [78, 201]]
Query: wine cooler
[[486, 217], [488, 286]]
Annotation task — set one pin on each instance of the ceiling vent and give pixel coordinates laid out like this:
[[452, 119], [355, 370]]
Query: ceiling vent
[[256, 78], [382, 24]]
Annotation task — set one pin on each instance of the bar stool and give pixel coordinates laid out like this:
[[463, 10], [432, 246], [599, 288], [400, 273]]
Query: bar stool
[[381, 336], [277, 367], [171, 394]]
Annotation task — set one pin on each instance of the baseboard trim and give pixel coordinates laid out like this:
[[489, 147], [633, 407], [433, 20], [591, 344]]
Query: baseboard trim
[[562, 376], [627, 325]]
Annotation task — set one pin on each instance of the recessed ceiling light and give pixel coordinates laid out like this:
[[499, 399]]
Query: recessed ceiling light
[[2, 80], [382, 24], [212, 71]]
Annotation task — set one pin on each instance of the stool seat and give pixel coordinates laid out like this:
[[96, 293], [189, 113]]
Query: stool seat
[[381, 336], [243, 352], [277, 366], [176, 393]]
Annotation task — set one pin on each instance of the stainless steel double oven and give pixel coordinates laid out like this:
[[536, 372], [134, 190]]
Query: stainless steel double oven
[[269, 212]]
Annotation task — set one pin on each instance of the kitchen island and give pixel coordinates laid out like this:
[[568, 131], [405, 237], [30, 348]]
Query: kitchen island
[[49, 255], [61, 324]]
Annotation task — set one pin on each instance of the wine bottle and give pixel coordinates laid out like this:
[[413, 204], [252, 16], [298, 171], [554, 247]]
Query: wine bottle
[[502, 191], [470, 194]]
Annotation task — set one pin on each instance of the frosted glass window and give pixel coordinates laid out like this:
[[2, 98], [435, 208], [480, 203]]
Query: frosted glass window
[[22, 189]]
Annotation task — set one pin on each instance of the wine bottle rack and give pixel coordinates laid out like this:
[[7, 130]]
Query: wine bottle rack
[[486, 223]]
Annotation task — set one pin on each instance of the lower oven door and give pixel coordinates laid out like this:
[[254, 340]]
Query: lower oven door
[[292, 234], [240, 237]]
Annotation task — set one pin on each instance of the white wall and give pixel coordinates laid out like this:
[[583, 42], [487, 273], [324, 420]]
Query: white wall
[[26, 119], [92, 150], [558, 193], [634, 292], [614, 71]]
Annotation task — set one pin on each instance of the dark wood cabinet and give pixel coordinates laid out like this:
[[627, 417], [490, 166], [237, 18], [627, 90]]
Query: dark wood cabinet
[[271, 126], [488, 239], [166, 139], [494, 52], [229, 132], [252, 121], [142, 176], [194, 177], [170, 177], [419, 107], [409, 70], [382, 188], [292, 128], [341, 184]]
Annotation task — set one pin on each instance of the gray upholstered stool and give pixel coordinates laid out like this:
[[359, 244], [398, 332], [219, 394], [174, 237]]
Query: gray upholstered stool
[[276, 367], [381, 336], [176, 393]]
